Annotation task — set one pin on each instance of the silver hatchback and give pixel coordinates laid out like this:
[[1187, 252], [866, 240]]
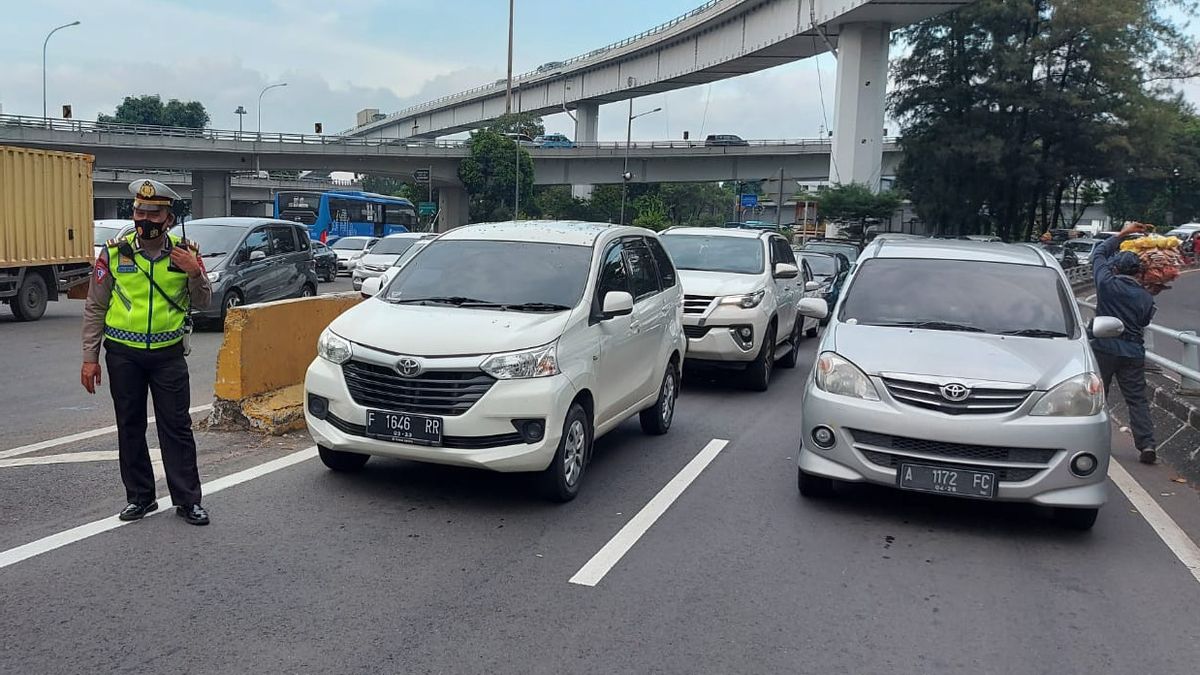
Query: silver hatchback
[[961, 369]]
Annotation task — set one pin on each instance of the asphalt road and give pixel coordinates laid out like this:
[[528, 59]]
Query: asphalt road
[[415, 568], [1178, 308]]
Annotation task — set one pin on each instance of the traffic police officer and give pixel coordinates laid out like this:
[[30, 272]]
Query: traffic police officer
[[141, 289]]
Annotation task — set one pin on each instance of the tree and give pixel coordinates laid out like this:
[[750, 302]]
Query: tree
[[149, 109], [855, 204], [1006, 106], [518, 123], [651, 212], [489, 175], [555, 202]]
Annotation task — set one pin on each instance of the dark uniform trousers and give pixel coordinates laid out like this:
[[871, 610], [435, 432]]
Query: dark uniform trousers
[[164, 373], [1131, 378]]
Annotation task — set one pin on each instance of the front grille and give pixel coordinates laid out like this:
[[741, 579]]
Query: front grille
[[452, 442], [1003, 475], [984, 453], [981, 401], [696, 332], [696, 304], [440, 392]]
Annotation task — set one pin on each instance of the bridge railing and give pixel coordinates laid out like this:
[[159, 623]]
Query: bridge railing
[[1189, 370], [242, 178]]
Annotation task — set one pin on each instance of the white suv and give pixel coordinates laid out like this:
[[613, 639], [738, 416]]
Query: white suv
[[742, 289], [505, 346]]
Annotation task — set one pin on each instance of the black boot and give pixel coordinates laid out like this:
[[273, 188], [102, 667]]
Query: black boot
[[137, 511], [194, 514]]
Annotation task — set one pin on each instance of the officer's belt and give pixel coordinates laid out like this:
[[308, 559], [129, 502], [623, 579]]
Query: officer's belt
[[152, 338]]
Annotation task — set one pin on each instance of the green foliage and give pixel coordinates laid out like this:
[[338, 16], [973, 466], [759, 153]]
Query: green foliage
[[651, 212], [489, 174], [149, 109], [855, 203], [519, 123]]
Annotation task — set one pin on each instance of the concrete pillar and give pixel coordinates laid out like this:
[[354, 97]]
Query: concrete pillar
[[210, 194], [587, 124], [104, 209], [857, 155], [252, 209], [454, 208]]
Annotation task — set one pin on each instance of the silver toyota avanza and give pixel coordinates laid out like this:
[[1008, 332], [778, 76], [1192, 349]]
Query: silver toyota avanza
[[962, 369]]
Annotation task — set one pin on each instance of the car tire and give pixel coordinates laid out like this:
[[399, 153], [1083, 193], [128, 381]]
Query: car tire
[[1076, 519], [758, 373], [656, 421], [812, 332], [560, 481], [813, 486], [30, 302], [790, 359], [340, 461], [308, 291], [232, 299]]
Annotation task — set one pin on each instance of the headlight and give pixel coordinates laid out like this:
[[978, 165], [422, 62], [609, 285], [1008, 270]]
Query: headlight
[[537, 362], [838, 376], [1080, 396], [748, 301], [334, 348], [215, 276]]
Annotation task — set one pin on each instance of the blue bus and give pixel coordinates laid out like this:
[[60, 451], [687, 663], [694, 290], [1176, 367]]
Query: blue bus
[[343, 213]]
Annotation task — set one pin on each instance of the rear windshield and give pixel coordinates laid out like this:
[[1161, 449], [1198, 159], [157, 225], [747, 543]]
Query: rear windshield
[[350, 243], [959, 295], [390, 246], [737, 255], [822, 265], [848, 250]]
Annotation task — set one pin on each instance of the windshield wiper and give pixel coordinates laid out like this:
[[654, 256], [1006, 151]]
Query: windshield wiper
[[1035, 333], [214, 254], [456, 300], [537, 307], [936, 325]]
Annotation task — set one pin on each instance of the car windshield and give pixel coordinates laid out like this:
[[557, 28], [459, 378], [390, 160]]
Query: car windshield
[[215, 240], [393, 246], [1080, 246], [710, 253], [822, 265], [350, 243], [103, 234], [521, 276], [412, 251], [848, 250], [971, 296]]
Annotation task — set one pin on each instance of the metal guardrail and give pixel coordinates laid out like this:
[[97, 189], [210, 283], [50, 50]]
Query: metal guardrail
[[414, 109], [1189, 370], [246, 178]]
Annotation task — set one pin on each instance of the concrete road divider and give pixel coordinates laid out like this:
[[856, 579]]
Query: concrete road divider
[[261, 365]]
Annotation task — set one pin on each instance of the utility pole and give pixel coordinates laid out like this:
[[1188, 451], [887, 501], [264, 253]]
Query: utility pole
[[508, 97], [779, 203]]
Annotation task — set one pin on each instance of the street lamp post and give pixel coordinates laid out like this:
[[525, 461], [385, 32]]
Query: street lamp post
[[625, 175], [508, 94], [44, 43], [240, 112], [260, 95]]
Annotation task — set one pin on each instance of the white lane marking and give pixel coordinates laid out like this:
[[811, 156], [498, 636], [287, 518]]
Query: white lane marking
[[81, 436], [612, 552], [69, 458], [1168, 530], [47, 544]]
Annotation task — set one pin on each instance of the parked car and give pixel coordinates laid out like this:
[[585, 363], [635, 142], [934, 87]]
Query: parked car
[[253, 260], [1082, 249], [326, 260], [504, 346], [1065, 256], [349, 250], [843, 246], [550, 65], [981, 385], [106, 230], [741, 293], [831, 270], [383, 254], [720, 140], [553, 141]]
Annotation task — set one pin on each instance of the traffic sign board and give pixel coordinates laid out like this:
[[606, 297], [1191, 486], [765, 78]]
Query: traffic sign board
[[427, 208], [422, 175], [749, 201]]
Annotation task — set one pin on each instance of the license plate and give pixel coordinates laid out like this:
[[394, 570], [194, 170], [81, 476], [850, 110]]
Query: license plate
[[945, 480], [404, 428]]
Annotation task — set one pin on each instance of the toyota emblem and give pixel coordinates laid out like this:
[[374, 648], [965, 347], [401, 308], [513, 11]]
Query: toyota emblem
[[408, 367], [955, 392]]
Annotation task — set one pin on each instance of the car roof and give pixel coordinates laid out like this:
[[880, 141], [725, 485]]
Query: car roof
[[408, 235], [242, 222], [570, 232], [958, 249], [743, 232]]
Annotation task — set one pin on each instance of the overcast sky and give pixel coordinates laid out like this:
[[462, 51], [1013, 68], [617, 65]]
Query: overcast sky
[[341, 56]]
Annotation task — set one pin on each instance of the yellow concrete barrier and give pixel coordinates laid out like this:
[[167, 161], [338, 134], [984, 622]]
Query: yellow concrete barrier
[[261, 365]]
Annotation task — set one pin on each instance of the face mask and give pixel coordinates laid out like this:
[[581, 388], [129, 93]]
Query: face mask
[[147, 229]]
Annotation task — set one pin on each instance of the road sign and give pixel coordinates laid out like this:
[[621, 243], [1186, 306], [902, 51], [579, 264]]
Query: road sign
[[749, 201], [422, 175], [427, 208]]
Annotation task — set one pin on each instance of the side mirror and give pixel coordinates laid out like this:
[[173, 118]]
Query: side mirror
[[616, 303], [812, 286], [786, 271], [257, 255], [371, 286], [387, 276], [1108, 327], [814, 308]]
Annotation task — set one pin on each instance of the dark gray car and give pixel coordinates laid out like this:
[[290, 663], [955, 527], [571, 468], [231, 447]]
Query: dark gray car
[[253, 260]]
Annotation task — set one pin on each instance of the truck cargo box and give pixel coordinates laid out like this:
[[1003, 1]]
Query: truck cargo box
[[45, 207]]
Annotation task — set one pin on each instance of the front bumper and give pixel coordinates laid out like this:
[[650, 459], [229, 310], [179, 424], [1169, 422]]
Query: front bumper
[[711, 336], [857, 457], [487, 422]]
